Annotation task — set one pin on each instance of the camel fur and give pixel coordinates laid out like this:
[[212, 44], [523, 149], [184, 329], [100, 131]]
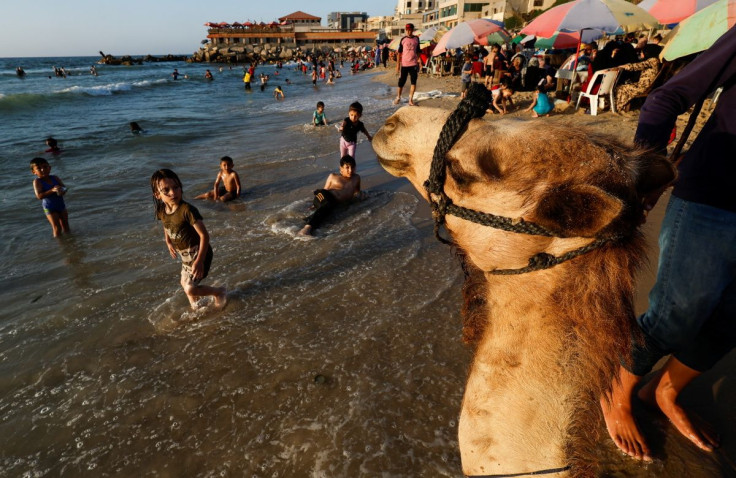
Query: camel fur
[[547, 342]]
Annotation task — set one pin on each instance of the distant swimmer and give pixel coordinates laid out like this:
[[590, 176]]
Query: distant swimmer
[[53, 146], [93, 70], [278, 92], [230, 188], [175, 74], [338, 189], [20, 72], [135, 128], [208, 75], [50, 190]]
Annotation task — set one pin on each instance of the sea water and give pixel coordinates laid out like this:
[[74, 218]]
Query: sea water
[[335, 356]]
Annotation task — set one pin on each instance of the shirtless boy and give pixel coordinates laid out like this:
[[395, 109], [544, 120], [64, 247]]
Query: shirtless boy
[[230, 188], [339, 188]]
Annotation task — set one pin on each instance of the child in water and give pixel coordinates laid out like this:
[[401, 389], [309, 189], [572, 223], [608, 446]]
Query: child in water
[[53, 146], [350, 128], [184, 232], [278, 92], [541, 103], [318, 117], [50, 190], [339, 188], [230, 188]]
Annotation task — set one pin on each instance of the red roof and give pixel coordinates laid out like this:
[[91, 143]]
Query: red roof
[[299, 15]]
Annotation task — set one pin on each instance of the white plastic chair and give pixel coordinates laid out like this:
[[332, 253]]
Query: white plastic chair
[[606, 88]]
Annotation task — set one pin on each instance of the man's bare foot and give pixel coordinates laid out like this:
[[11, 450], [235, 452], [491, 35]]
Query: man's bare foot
[[411, 103], [616, 407], [397, 100], [674, 377], [306, 231], [221, 298]]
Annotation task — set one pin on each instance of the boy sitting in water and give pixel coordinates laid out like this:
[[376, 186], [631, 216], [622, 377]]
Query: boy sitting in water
[[318, 117], [339, 188], [230, 188]]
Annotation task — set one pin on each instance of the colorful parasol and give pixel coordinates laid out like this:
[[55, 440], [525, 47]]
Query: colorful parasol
[[466, 33], [604, 15], [699, 31], [673, 11]]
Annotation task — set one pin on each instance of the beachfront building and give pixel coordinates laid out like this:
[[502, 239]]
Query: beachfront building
[[451, 12], [408, 7], [296, 30], [346, 20], [503, 9]]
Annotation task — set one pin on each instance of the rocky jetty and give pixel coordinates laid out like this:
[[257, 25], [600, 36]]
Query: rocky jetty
[[128, 60]]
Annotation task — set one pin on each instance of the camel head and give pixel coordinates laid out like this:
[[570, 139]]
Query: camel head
[[575, 183]]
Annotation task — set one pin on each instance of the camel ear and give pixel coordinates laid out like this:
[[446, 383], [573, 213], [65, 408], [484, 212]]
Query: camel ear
[[577, 210], [658, 173]]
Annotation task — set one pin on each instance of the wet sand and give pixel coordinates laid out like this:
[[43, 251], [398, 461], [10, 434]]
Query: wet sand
[[711, 395]]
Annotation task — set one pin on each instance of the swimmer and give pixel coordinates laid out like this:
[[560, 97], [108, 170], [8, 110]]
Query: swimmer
[[278, 92], [230, 188], [338, 189], [135, 128], [53, 146], [208, 75]]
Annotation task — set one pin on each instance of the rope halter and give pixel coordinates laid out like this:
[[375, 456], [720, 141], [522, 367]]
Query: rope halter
[[474, 106]]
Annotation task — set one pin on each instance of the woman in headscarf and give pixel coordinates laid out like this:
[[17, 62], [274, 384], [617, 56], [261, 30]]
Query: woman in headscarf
[[649, 68]]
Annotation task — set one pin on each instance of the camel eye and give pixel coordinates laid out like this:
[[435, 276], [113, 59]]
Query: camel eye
[[460, 176]]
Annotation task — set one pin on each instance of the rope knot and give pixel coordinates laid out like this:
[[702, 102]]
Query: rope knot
[[542, 260]]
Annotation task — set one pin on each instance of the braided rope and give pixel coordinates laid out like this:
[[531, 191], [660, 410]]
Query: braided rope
[[474, 106]]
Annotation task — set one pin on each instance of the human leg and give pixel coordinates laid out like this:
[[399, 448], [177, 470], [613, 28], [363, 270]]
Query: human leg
[[695, 269], [402, 81], [412, 89], [324, 202], [715, 340], [55, 222], [64, 221], [347, 148], [617, 413]]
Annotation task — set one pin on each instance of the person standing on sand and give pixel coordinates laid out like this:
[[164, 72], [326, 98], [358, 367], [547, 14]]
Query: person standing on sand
[[692, 306], [407, 63]]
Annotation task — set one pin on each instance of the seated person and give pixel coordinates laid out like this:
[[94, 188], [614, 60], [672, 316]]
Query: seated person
[[541, 104], [339, 188], [230, 180], [649, 69]]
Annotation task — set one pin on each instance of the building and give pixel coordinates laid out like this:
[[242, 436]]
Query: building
[[451, 12], [345, 20], [408, 7], [503, 9], [296, 30]]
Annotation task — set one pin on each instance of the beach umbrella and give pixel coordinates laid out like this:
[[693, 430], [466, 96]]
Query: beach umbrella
[[605, 15], [563, 40], [237, 24], [501, 36], [433, 34], [673, 11], [699, 31], [466, 33]]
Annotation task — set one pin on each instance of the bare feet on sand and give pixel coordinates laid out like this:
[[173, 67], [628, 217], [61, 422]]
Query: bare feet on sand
[[616, 406], [306, 231], [662, 391]]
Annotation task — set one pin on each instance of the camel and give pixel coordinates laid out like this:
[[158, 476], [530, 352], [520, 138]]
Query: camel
[[548, 332]]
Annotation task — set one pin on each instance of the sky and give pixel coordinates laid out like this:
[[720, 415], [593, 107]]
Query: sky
[[31, 28]]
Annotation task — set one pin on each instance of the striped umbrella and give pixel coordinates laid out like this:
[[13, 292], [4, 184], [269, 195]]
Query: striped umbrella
[[563, 40], [699, 31], [605, 15], [673, 11], [466, 33]]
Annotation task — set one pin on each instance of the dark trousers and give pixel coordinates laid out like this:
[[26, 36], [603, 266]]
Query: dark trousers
[[324, 203]]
